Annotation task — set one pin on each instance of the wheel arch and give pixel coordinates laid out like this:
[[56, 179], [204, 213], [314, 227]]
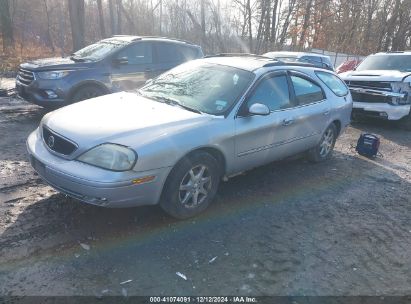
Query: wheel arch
[[87, 83], [337, 124], [213, 151]]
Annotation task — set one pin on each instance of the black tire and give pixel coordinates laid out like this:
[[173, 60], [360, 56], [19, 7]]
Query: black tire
[[405, 122], [87, 92], [181, 189], [324, 149]]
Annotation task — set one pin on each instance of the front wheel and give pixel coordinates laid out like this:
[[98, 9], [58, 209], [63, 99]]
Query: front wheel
[[191, 186], [324, 149], [87, 93]]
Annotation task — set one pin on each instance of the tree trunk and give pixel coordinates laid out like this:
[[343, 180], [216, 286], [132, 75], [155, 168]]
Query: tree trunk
[[48, 33], [307, 17], [119, 17], [250, 31], [101, 19], [77, 21], [113, 22], [6, 26]]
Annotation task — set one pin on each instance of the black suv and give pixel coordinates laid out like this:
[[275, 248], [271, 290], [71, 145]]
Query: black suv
[[110, 65]]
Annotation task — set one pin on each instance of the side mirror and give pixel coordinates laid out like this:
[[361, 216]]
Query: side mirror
[[120, 61], [259, 109]]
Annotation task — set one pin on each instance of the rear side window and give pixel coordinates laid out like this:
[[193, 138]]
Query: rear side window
[[139, 53], [334, 83], [306, 91], [312, 59], [273, 92]]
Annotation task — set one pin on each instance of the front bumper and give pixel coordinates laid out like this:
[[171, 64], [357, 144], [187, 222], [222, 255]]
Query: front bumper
[[381, 110], [108, 189], [35, 93]]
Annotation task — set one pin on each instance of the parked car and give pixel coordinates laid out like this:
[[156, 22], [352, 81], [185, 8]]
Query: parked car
[[381, 87], [110, 65], [172, 141], [319, 60], [348, 65]]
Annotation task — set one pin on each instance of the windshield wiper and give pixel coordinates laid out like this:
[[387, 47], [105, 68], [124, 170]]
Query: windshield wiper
[[174, 102]]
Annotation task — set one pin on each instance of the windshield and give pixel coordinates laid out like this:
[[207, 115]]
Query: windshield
[[386, 62], [98, 50], [202, 87]]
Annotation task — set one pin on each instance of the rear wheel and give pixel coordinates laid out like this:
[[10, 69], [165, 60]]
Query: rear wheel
[[191, 186], [86, 93], [324, 149]]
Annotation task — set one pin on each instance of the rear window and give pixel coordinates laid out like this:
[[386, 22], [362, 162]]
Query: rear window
[[334, 83]]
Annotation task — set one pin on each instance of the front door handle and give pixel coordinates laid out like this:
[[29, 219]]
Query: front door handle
[[288, 121], [326, 112]]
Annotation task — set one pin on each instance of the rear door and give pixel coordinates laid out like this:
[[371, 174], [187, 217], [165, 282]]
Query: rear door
[[168, 55], [133, 66], [312, 113]]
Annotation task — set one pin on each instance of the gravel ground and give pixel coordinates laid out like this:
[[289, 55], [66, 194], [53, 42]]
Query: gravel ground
[[342, 227]]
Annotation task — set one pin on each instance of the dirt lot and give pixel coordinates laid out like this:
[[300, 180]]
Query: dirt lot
[[291, 228]]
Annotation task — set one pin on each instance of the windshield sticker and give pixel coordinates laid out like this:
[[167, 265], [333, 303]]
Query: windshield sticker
[[220, 104]]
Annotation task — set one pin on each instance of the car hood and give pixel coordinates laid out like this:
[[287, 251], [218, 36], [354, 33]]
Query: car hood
[[56, 63], [375, 75], [124, 118]]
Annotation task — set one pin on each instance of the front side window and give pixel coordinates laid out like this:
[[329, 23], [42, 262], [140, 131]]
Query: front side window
[[139, 53], [203, 87], [306, 91], [273, 92], [334, 83]]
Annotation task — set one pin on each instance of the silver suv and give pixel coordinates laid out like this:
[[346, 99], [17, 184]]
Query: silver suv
[[172, 141]]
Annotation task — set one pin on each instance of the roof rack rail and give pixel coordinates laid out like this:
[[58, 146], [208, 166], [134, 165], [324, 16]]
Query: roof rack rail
[[237, 55], [281, 63], [135, 38], [176, 39]]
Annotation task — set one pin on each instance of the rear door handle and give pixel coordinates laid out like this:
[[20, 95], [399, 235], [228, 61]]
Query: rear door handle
[[288, 121]]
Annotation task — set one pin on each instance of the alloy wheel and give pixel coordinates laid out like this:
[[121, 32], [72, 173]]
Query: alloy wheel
[[195, 186], [327, 142]]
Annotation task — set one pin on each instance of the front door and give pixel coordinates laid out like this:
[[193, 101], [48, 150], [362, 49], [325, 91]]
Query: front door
[[262, 139]]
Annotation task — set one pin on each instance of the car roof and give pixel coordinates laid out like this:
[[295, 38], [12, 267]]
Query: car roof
[[295, 54], [131, 38], [251, 62], [401, 53]]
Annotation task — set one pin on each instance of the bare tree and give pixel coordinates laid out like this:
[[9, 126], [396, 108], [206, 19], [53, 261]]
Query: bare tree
[[77, 21], [101, 19], [6, 26]]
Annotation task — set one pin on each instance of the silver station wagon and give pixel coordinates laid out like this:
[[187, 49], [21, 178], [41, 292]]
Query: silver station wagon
[[175, 139]]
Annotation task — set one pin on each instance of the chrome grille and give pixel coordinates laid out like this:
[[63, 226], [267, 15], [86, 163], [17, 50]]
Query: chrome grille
[[26, 77], [58, 143], [373, 85]]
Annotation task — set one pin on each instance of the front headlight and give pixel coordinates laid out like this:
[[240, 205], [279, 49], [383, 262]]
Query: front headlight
[[53, 74], [110, 156]]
